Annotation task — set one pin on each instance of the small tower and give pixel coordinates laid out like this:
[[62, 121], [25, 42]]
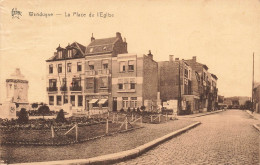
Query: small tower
[[17, 89]]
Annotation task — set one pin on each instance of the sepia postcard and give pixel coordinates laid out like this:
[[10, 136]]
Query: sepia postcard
[[130, 82]]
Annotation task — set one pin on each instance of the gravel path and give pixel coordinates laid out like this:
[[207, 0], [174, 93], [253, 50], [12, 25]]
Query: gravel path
[[106, 145]]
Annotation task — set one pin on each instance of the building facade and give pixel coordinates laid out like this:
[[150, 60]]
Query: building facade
[[65, 78], [256, 98], [98, 72], [134, 82], [176, 83]]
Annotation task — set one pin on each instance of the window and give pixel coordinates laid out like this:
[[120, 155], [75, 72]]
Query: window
[[50, 68], [79, 67], [59, 68], [90, 83], [120, 86], [69, 67], [125, 102], [80, 100], [69, 53], [91, 50], [60, 54], [133, 103], [103, 82], [186, 73], [65, 99], [130, 65], [52, 83], [76, 82], [72, 100], [105, 66], [58, 100], [51, 100], [122, 66], [132, 86]]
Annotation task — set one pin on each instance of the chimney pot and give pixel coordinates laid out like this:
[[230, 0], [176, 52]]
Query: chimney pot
[[176, 59], [92, 38], [194, 58], [171, 58], [150, 55], [118, 35]]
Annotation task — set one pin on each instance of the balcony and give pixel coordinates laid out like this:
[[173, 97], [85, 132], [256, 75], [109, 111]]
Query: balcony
[[90, 72], [76, 88], [63, 88], [103, 71], [52, 89]]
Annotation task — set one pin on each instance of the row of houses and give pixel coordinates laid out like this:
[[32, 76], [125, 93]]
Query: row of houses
[[104, 76]]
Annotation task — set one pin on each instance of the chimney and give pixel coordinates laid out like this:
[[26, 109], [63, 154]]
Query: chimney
[[194, 58], [92, 38], [176, 59], [150, 55], [171, 58], [118, 35]]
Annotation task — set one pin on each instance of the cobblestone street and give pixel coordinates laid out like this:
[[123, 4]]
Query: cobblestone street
[[223, 138]]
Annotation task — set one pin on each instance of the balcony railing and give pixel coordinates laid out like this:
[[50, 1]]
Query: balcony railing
[[103, 71], [63, 89], [52, 89], [90, 72], [76, 88]]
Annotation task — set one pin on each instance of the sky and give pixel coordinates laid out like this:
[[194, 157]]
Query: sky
[[222, 34]]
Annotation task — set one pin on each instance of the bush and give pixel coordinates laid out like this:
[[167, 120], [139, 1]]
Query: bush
[[138, 110], [133, 109], [142, 107], [61, 117], [121, 110], [128, 109], [44, 109], [23, 117]]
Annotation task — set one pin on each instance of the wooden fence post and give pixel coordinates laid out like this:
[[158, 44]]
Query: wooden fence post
[[107, 126], [126, 123], [117, 118], [151, 118], [141, 120], [52, 131], [166, 116], [159, 118], [132, 116], [77, 133], [113, 120]]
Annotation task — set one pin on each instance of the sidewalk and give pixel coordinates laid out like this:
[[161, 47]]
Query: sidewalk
[[198, 114], [255, 115]]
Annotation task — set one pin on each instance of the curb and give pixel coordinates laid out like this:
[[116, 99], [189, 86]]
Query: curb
[[120, 156], [199, 115], [251, 114], [256, 127]]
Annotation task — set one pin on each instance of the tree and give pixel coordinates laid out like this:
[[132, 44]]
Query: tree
[[23, 117], [34, 105], [44, 109], [142, 107], [61, 117], [248, 105]]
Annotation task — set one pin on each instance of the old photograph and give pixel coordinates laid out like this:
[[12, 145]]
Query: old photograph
[[130, 82]]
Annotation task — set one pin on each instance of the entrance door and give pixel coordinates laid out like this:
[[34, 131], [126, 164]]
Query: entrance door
[[114, 104]]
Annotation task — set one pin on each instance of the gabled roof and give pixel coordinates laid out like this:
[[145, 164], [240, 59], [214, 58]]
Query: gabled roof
[[100, 46], [78, 53]]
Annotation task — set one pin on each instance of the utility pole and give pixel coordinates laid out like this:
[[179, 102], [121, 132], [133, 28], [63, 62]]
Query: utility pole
[[253, 82], [65, 82]]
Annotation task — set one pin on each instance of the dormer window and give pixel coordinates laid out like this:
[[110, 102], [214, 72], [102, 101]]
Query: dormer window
[[104, 48], [59, 54], [70, 53], [91, 50]]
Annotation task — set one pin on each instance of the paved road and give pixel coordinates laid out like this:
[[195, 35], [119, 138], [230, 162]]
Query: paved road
[[224, 138]]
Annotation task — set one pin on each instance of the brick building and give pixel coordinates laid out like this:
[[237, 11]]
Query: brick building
[[174, 75], [98, 71], [65, 77], [134, 81]]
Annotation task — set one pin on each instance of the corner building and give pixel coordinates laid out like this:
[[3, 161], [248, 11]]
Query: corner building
[[134, 81]]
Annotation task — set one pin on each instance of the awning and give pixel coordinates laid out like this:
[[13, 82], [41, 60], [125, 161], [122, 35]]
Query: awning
[[93, 101], [102, 101]]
